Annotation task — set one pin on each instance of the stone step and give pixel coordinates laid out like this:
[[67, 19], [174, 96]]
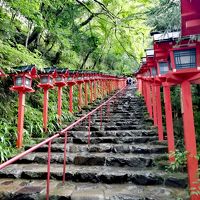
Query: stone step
[[111, 140], [96, 174], [116, 140], [115, 133], [109, 148], [111, 128], [36, 189], [121, 162], [101, 159], [112, 122]]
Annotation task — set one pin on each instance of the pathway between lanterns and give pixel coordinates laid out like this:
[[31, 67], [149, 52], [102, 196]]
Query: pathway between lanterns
[[121, 162]]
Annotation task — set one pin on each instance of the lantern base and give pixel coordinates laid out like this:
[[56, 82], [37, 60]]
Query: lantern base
[[60, 84], [46, 86], [22, 89], [71, 83]]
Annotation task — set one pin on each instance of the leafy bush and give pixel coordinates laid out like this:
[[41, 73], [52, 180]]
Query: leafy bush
[[180, 161]]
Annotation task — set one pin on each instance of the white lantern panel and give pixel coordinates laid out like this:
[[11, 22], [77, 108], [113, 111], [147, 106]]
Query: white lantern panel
[[59, 79], [44, 79], [185, 58], [18, 81], [164, 68], [28, 82], [154, 71]]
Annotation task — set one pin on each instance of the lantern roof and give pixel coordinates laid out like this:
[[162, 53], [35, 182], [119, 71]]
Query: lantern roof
[[47, 70], [62, 71], [73, 73], [27, 69], [168, 36]]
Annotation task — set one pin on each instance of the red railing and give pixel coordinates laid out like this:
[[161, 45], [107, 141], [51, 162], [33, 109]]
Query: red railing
[[64, 133]]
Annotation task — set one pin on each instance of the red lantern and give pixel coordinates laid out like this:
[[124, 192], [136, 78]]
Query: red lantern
[[47, 76], [70, 80], [22, 83]]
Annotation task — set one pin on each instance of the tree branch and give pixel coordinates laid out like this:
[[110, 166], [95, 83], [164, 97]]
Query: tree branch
[[90, 18], [85, 6]]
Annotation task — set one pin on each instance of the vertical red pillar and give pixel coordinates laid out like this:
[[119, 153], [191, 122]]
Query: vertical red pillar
[[144, 92], [79, 96], [148, 93], [159, 113], [20, 124], [154, 105], [189, 136], [140, 86], [95, 90], [169, 120], [59, 104], [45, 109], [91, 91], [86, 94], [71, 98]]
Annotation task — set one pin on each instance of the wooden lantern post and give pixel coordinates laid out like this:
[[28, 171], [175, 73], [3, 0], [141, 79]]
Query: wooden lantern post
[[185, 62], [46, 82], [71, 82], [80, 81], [61, 75], [22, 83]]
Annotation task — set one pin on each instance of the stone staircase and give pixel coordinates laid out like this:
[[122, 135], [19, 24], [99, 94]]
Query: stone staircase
[[119, 164]]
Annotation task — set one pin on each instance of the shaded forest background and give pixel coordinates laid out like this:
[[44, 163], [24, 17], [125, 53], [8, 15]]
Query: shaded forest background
[[103, 35]]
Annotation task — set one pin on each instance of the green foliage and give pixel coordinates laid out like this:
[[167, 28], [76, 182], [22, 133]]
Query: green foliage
[[10, 56], [7, 136], [180, 161], [165, 16]]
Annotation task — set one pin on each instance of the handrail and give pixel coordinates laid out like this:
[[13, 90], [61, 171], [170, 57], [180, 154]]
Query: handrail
[[59, 134], [90, 113], [21, 155]]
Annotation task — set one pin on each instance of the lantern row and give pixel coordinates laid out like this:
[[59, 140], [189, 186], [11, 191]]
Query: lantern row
[[173, 60], [99, 84]]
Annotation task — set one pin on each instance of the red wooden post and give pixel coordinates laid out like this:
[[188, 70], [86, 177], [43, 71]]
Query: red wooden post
[[61, 77], [91, 91], [22, 84], [140, 85], [45, 109], [71, 98], [189, 136], [79, 96], [59, 104], [20, 125], [104, 87], [95, 90], [159, 113], [169, 120], [144, 91], [101, 88], [154, 104], [149, 105], [86, 94]]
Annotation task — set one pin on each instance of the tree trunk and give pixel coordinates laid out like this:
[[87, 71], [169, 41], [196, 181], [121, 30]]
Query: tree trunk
[[35, 33], [29, 32], [86, 58]]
